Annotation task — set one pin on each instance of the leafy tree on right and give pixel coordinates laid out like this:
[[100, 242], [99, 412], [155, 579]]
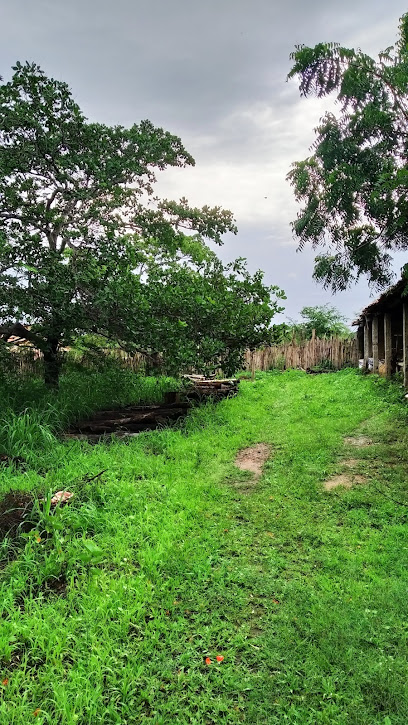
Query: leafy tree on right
[[354, 188]]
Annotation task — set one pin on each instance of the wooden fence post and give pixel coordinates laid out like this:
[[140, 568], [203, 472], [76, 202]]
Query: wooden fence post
[[405, 342], [253, 365], [313, 351], [366, 341], [387, 343], [375, 343]]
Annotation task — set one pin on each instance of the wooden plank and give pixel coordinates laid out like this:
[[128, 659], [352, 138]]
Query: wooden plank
[[405, 342], [366, 342], [387, 343], [374, 332]]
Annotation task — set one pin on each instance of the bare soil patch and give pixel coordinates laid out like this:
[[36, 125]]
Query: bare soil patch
[[7, 460], [55, 585], [351, 462], [358, 441], [347, 480], [15, 509], [253, 459]]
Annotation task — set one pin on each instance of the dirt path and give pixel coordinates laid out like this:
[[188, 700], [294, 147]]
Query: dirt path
[[253, 458]]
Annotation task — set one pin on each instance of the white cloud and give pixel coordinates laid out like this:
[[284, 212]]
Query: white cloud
[[252, 180], [213, 73]]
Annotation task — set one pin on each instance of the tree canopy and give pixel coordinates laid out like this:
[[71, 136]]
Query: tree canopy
[[86, 246], [325, 320], [354, 186]]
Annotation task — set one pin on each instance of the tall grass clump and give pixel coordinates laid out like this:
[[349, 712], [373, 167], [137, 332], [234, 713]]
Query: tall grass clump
[[31, 415], [21, 433]]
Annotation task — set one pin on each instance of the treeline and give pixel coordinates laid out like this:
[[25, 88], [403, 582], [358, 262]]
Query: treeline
[[321, 321]]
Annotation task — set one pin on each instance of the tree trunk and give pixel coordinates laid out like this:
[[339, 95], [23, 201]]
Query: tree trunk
[[154, 364], [52, 363]]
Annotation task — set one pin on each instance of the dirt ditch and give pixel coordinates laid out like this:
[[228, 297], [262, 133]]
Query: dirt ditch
[[129, 420], [15, 510], [134, 419]]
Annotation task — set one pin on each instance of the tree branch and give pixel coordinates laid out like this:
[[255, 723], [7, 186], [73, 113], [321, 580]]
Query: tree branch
[[123, 347], [52, 198], [18, 330]]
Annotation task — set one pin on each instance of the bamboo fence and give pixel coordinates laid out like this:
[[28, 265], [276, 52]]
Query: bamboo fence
[[334, 353]]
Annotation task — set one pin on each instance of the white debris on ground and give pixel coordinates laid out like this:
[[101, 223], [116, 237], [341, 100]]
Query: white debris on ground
[[61, 497]]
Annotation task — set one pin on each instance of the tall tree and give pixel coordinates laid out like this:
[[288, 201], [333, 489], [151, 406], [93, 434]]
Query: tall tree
[[86, 246], [354, 187]]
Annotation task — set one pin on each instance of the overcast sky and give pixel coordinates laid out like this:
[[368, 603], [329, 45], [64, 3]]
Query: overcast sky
[[213, 72]]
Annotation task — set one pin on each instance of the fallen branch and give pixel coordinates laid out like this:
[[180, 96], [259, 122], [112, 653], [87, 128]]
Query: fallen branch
[[391, 498], [86, 479]]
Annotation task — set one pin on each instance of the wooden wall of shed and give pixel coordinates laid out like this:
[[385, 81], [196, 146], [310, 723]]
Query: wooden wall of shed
[[381, 338], [360, 341], [396, 332]]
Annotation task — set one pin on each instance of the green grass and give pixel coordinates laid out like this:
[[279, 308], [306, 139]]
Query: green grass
[[31, 415], [303, 591]]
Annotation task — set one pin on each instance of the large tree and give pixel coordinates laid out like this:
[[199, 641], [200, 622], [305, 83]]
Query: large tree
[[86, 246], [354, 186]]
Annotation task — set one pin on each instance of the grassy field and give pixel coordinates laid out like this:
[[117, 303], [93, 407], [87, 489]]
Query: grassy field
[[111, 606]]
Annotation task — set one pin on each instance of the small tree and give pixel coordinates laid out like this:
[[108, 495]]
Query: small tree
[[85, 246], [326, 321], [354, 187], [205, 314]]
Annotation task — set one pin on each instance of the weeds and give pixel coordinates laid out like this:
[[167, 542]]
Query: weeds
[[31, 416], [160, 566]]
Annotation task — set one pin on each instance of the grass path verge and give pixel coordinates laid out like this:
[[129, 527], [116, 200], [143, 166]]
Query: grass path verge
[[166, 563]]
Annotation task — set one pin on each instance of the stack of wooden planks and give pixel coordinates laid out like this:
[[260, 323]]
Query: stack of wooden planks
[[134, 419], [131, 419], [201, 387]]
